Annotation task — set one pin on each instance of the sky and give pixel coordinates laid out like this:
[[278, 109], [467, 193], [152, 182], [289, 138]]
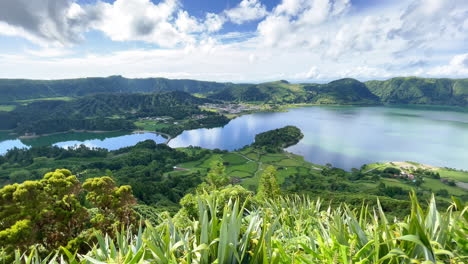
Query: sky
[[234, 40]]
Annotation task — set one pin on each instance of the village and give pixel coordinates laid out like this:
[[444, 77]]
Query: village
[[231, 108]]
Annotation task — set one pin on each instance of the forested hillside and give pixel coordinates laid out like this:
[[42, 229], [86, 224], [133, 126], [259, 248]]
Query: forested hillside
[[344, 91], [99, 112], [18, 89], [413, 90], [401, 90]]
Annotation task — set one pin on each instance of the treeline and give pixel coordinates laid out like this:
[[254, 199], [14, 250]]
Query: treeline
[[142, 166], [206, 122], [18, 89], [66, 124]]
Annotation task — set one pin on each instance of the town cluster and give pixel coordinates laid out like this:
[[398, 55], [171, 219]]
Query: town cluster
[[231, 108]]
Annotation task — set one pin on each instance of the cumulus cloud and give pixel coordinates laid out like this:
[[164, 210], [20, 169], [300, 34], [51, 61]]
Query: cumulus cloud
[[412, 37], [214, 22], [247, 10], [458, 67], [425, 22], [58, 22], [147, 21], [296, 23]]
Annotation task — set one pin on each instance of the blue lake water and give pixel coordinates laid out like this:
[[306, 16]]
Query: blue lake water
[[345, 136]]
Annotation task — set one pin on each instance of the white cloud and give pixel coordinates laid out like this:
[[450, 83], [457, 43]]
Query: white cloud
[[186, 23], [301, 23], [247, 10], [289, 7], [46, 23], [146, 22], [214, 22], [313, 40], [457, 67]]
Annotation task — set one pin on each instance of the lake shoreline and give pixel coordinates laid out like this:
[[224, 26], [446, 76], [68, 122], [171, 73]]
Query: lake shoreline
[[71, 131], [328, 138]]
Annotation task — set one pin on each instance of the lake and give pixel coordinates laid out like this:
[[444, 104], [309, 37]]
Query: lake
[[345, 136]]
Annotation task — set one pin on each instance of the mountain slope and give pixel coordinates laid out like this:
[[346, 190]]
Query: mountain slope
[[20, 89], [344, 91], [413, 90]]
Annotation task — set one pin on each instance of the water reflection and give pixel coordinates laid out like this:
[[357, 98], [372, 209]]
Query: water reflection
[[347, 137], [110, 141]]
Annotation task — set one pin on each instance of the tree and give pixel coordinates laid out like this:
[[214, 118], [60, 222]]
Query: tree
[[46, 211], [49, 212], [268, 187], [114, 204], [217, 176]]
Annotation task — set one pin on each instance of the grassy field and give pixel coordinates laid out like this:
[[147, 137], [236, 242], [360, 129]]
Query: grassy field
[[248, 165], [7, 108], [461, 176], [435, 185], [456, 175], [150, 125]]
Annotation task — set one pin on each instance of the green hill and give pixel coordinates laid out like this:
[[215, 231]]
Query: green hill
[[413, 90], [98, 112], [344, 91], [400, 90], [21, 89]]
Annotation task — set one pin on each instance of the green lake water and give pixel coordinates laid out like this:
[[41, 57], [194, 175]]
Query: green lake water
[[345, 136]]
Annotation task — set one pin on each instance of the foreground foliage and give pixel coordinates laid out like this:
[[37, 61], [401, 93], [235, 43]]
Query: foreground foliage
[[55, 211], [286, 230]]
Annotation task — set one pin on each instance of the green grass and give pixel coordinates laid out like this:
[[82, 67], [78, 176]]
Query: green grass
[[234, 159], [239, 166], [284, 230], [28, 101], [269, 158], [453, 175], [435, 185], [149, 125], [7, 108], [397, 183]]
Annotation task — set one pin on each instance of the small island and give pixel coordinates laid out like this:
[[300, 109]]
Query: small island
[[277, 139]]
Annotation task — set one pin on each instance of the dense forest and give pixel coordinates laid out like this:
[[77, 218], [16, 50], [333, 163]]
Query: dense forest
[[19, 89], [278, 139], [105, 112], [413, 90]]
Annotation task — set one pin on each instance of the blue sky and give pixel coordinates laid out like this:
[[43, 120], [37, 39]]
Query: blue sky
[[234, 40]]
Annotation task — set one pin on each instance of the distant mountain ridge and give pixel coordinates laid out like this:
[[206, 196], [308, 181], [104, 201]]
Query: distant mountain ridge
[[343, 91], [414, 90], [22, 89], [399, 90]]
